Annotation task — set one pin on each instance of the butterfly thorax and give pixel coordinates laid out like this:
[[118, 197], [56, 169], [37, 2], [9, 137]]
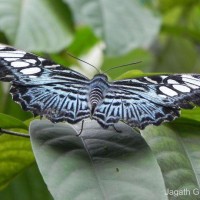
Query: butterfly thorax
[[98, 88]]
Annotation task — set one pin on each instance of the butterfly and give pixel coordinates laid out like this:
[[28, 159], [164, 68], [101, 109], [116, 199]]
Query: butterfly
[[61, 94]]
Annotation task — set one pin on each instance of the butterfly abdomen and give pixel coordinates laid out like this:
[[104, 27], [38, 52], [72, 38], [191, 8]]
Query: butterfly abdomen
[[95, 96], [98, 88]]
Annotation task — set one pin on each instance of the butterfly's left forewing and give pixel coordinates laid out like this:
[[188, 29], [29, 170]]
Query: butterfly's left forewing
[[148, 100], [17, 64], [43, 87]]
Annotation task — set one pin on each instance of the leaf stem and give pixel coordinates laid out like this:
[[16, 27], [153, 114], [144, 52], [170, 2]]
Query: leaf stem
[[14, 133]]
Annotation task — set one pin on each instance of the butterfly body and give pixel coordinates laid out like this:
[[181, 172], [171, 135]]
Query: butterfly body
[[61, 94], [98, 88]]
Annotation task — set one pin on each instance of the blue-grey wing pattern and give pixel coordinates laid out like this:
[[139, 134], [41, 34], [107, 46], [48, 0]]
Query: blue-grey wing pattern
[[43, 87], [148, 100], [61, 94]]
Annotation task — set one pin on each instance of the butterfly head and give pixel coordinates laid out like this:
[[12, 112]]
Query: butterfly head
[[101, 77]]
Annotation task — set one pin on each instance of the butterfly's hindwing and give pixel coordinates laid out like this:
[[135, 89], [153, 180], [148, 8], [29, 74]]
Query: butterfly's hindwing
[[133, 110], [54, 101], [148, 100]]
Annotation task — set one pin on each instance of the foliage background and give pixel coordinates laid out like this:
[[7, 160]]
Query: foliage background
[[163, 34]]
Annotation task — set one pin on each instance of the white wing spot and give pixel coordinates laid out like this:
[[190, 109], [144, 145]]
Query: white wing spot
[[19, 64], [168, 91], [32, 76], [163, 77], [51, 66], [19, 52], [32, 70], [192, 80], [32, 61], [181, 88], [11, 54], [171, 81], [192, 86], [10, 59], [41, 59], [150, 80], [187, 76]]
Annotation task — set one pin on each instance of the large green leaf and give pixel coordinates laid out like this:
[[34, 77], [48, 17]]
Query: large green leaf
[[7, 121], [191, 114], [134, 56], [2, 99], [15, 152], [15, 155], [35, 24], [28, 185], [14, 109], [172, 58], [177, 150], [122, 25], [166, 5], [84, 40], [9, 107], [99, 164]]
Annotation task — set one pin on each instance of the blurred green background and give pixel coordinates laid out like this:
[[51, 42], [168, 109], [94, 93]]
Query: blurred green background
[[163, 34]]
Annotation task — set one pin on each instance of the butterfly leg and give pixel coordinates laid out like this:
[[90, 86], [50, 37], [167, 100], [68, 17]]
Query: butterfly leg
[[81, 129], [118, 131]]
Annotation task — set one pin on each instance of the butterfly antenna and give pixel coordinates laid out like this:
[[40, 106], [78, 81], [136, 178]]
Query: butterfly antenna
[[83, 61], [124, 65]]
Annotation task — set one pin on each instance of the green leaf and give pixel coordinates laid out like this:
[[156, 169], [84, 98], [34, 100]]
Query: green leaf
[[170, 4], [29, 185], [84, 40], [173, 59], [193, 21], [2, 99], [177, 150], [131, 74], [136, 74], [36, 25], [136, 55], [15, 155], [191, 114], [7, 121], [122, 26], [14, 109], [99, 164]]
